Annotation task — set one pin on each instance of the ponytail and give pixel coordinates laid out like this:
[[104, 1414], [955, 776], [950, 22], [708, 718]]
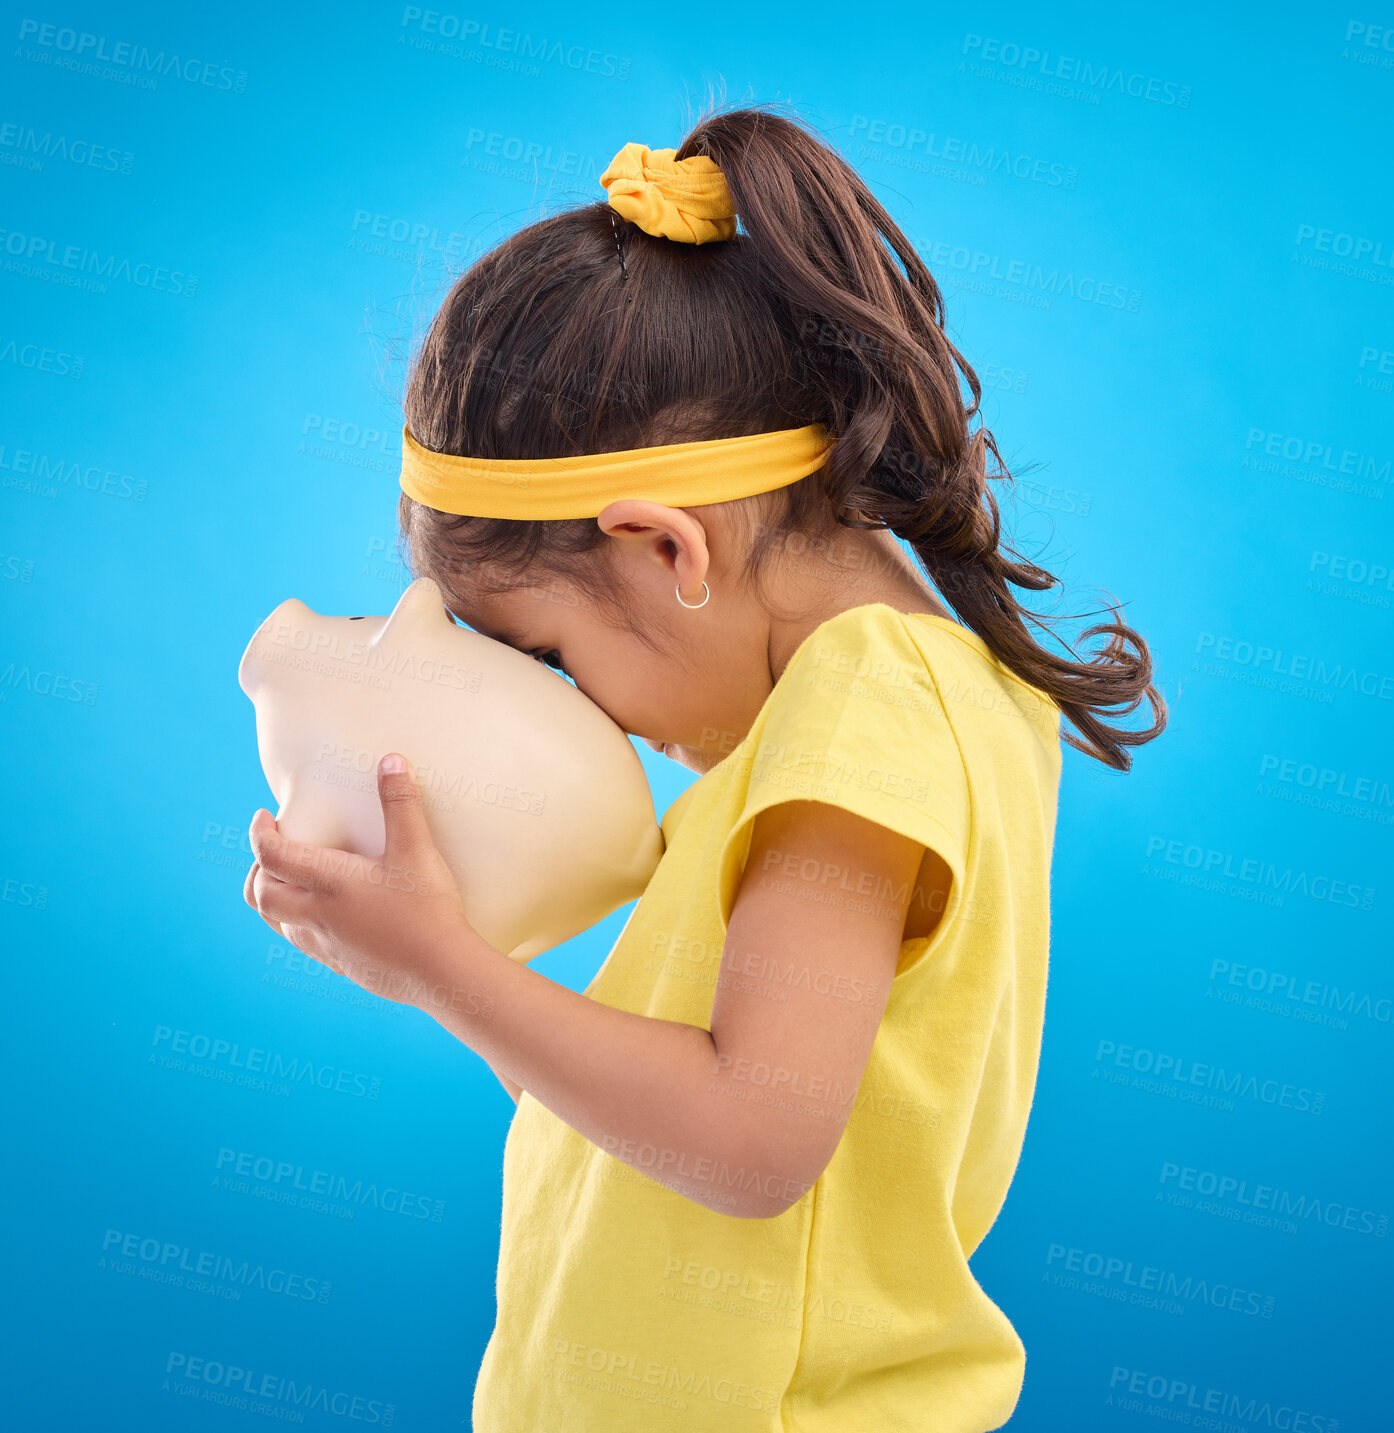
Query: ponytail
[[884, 378]]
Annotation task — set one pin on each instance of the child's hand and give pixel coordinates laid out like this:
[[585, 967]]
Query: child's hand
[[380, 923]]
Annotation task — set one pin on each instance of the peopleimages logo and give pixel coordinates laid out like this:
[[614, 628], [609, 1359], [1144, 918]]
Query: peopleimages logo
[[1302, 666], [1126, 1385], [37, 256], [1175, 1075], [1264, 879], [138, 62], [1151, 1284], [291, 1180], [1036, 286], [1327, 781], [1357, 247], [1265, 1204], [217, 1053], [1095, 78], [1290, 988], [505, 43], [172, 1262], [20, 464], [887, 135], [269, 1394], [42, 360], [27, 149]]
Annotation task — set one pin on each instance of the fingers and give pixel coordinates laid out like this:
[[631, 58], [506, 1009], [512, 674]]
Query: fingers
[[281, 902], [249, 894], [313, 868], [307, 942], [403, 811], [325, 960], [302, 937]]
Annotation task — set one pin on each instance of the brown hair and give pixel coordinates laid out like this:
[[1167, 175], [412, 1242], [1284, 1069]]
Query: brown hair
[[543, 349]]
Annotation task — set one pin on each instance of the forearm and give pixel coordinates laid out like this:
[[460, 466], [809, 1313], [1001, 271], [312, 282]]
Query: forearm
[[649, 1092]]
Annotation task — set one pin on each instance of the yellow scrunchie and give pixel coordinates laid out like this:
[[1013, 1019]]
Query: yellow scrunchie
[[686, 199]]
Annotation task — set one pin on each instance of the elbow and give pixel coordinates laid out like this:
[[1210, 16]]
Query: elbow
[[759, 1204], [765, 1209], [768, 1165], [746, 1202], [771, 1188]]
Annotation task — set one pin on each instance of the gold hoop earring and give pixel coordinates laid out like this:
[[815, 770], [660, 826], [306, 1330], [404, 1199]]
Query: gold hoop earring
[[694, 605]]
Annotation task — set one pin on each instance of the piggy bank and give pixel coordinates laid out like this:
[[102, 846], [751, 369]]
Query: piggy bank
[[536, 799]]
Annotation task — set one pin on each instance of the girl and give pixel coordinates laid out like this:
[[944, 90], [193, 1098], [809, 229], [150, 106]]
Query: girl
[[749, 1165]]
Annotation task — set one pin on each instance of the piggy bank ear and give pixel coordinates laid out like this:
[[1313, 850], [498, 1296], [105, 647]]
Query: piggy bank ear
[[419, 607]]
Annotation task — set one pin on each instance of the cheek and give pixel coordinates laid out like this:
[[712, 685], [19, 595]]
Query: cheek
[[636, 688]]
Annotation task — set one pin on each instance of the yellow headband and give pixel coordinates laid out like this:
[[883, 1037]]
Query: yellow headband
[[685, 200], [677, 475]]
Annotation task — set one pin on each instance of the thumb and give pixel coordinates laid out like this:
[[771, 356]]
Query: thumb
[[402, 808]]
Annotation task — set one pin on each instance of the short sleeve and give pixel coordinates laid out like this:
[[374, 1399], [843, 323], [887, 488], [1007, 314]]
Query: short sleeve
[[857, 721]]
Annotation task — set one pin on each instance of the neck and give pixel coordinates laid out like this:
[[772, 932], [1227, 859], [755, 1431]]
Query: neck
[[858, 567]]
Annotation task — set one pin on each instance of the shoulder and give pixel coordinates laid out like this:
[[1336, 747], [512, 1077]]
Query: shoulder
[[876, 642], [879, 651], [873, 624]]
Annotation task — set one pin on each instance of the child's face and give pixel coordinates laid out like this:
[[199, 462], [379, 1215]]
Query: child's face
[[694, 699]]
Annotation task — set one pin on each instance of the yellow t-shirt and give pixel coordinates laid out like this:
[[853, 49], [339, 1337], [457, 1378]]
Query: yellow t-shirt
[[623, 1305]]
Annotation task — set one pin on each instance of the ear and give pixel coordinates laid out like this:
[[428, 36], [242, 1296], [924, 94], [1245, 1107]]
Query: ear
[[421, 604], [670, 538]]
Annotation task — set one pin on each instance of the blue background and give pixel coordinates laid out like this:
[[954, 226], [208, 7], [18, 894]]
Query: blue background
[[1178, 400]]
